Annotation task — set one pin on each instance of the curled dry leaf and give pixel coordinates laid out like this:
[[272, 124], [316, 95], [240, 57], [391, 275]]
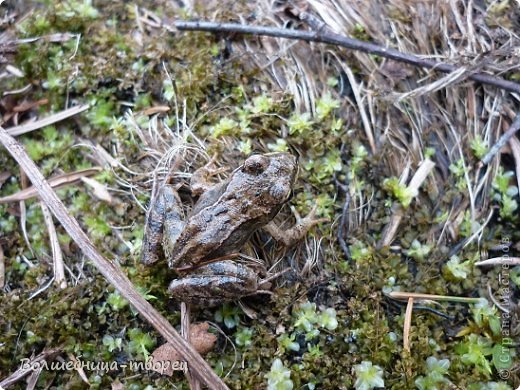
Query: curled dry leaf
[[200, 338]]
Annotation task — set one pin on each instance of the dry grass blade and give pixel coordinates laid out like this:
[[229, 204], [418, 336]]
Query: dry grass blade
[[415, 183], [54, 182], [109, 269], [22, 129], [185, 332], [403, 295], [57, 256], [407, 325], [499, 261]]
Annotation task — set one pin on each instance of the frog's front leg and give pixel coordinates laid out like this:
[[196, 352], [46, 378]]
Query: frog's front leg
[[164, 219], [215, 283], [290, 236]]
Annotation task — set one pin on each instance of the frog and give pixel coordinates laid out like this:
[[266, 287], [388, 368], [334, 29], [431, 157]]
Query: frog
[[203, 246]]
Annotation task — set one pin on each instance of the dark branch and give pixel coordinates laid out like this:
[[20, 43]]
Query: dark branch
[[324, 35], [515, 126]]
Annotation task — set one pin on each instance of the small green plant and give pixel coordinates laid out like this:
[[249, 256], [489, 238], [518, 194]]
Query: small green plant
[[279, 146], [485, 315], [399, 191], [279, 377], [112, 343], [474, 352], [458, 169], [368, 376], [244, 336], [140, 342], [168, 90], [479, 147], [226, 126], [246, 147], [435, 369], [116, 301], [357, 162], [325, 105], [314, 350], [287, 343], [504, 193], [327, 319], [456, 269], [306, 316], [308, 320], [299, 123], [229, 315], [360, 252], [262, 104], [418, 251]]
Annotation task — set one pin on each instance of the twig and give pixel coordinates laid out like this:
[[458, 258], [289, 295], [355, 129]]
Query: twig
[[22, 129], [26, 369], [499, 261], [515, 126], [324, 35], [109, 269]]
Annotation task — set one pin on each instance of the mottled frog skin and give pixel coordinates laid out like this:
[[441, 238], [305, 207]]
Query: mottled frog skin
[[202, 246]]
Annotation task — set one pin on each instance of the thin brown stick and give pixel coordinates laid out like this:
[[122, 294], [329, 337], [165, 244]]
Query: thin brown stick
[[109, 269], [515, 126], [324, 35]]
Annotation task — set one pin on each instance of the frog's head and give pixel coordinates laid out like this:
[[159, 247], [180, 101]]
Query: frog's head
[[271, 174]]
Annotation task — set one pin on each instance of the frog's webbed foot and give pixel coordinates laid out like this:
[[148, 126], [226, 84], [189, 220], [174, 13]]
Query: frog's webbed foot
[[200, 179], [164, 217], [290, 236]]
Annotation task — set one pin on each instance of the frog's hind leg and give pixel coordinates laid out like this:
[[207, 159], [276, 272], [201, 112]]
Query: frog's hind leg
[[164, 216], [215, 283]]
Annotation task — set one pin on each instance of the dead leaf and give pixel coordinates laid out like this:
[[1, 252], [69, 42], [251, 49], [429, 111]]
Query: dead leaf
[[156, 110], [98, 189], [200, 338]]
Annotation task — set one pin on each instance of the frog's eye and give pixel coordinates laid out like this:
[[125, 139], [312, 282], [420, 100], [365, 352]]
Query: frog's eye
[[256, 164]]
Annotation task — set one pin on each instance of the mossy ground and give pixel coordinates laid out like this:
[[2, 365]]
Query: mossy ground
[[221, 104]]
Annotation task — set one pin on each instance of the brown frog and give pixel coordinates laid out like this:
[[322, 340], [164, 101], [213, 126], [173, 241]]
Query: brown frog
[[202, 247]]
